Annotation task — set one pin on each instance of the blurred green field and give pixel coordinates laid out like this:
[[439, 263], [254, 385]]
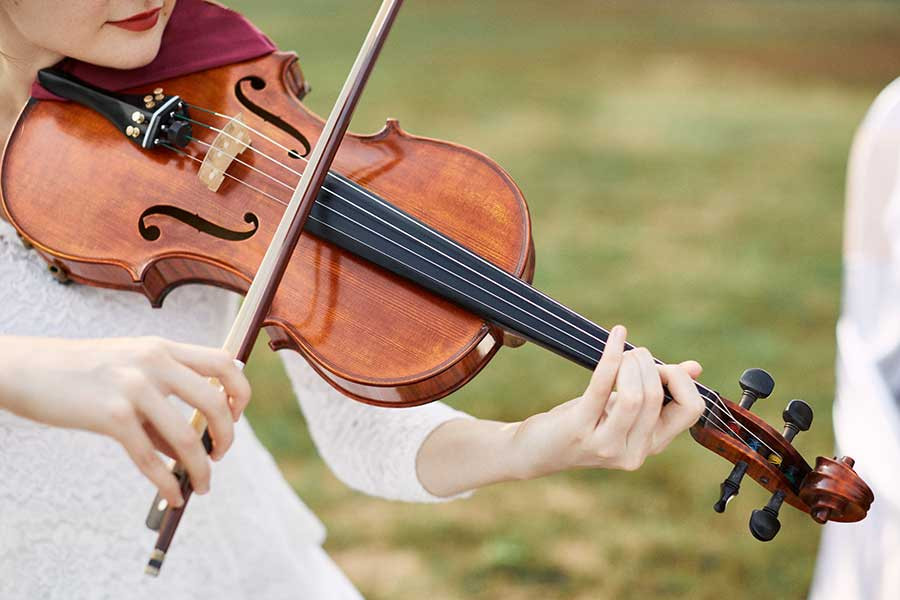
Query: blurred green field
[[684, 163]]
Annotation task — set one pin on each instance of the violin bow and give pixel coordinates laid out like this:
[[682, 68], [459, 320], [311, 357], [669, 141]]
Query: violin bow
[[258, 300]]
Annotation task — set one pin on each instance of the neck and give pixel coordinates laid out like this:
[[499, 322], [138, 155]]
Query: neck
[[20, 60]]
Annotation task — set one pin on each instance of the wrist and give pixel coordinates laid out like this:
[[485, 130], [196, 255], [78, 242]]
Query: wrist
[[520, 464]]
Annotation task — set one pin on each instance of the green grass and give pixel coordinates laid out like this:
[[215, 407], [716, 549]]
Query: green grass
[[684, 164]]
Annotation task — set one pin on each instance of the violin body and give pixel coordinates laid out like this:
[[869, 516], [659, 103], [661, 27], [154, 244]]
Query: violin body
[[371, 334]]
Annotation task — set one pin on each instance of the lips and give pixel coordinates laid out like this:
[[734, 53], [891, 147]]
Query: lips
[[139, 22]]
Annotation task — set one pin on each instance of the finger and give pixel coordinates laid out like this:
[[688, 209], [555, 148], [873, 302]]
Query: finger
[[693, 368], [178, 433], [206, 397], [158, 441], [214, 362], [622, 412], [641, 433], [142, 453], [683, 411], [604, 376]]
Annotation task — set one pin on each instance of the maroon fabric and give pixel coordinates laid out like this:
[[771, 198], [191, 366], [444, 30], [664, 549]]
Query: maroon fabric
[[199, 35]]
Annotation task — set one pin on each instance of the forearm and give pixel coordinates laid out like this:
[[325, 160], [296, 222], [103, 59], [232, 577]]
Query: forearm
[[20, 379], [465, 454], [599, 429]]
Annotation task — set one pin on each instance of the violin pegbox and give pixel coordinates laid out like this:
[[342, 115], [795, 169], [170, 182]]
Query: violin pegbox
[[832, 491], [150, 120]]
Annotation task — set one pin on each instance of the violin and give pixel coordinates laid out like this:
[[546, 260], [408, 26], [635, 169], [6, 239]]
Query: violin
[[414, 267]]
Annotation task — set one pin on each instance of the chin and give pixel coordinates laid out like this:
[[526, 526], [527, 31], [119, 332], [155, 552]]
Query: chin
[[133, 59], [133, 62], [121, 50]]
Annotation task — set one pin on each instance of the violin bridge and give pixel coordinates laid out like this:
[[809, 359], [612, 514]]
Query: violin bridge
[[231, 141]]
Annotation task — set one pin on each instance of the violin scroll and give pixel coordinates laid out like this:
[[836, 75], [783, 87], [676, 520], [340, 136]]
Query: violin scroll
[[835, 492]]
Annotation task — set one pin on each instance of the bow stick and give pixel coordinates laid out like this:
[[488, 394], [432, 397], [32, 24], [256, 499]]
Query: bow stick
[[258, 300]]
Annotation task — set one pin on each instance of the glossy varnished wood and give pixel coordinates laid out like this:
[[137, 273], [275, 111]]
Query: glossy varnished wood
[[832, 491], [371, 334]]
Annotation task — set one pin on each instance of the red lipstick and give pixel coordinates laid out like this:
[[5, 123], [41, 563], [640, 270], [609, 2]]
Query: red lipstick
[[139, 22]]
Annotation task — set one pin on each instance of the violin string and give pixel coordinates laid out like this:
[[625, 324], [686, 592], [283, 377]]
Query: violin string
[[252, 148], [433, 249], [391, 225], [390, 207], [398, 212], [722, 425], [403, 215], [428, 260], [323, 223], [256, 169], [716, 400]]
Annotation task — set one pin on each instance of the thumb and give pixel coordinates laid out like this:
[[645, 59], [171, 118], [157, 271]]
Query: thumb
[[604, 376]]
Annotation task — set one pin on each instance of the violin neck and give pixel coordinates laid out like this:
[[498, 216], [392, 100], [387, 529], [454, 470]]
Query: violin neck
[[368, 226]]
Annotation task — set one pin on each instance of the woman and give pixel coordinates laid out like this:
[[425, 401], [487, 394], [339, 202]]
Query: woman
[[71, 507]]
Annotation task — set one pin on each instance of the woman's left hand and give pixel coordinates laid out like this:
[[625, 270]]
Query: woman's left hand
[[620, 419], [617, 423]]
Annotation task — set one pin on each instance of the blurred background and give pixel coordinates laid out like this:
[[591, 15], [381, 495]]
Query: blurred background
[[684, 164]]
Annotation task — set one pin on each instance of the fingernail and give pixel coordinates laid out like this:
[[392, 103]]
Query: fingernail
[[179, 502], [617, 331]]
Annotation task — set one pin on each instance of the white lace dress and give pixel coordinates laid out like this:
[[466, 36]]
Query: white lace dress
[[72, 505]]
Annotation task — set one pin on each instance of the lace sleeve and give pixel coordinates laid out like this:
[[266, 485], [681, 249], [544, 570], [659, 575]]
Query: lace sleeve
[[371, 449]]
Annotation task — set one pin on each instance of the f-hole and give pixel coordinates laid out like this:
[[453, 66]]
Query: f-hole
[[151, 233], [258, 83]]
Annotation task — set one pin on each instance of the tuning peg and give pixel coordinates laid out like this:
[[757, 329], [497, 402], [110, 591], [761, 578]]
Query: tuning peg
[[755, 384], [730, 487], [798, 416], [764, 524]]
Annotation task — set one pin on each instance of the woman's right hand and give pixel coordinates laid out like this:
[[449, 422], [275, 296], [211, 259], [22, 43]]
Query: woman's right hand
[[118, 387]]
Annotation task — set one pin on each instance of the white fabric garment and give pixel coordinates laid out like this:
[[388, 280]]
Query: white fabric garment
[[862, 560], [72, 505]]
